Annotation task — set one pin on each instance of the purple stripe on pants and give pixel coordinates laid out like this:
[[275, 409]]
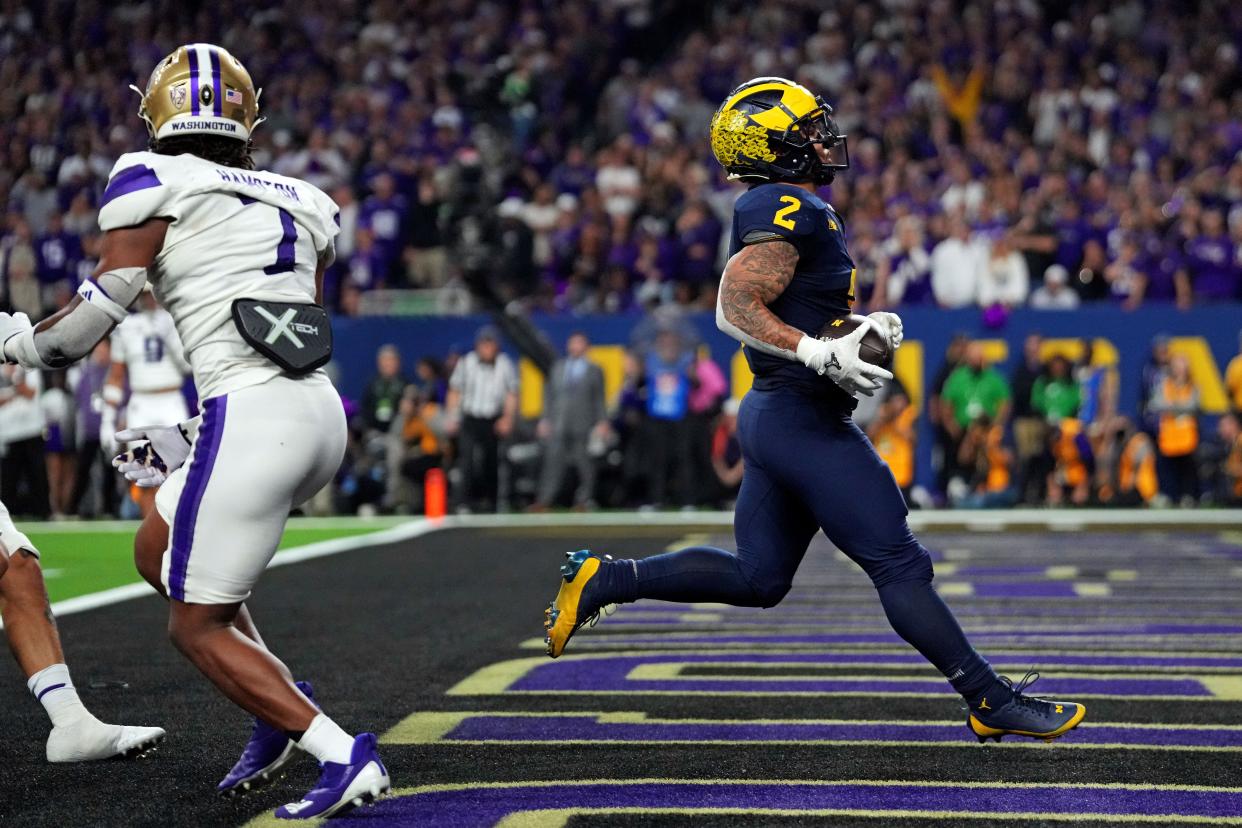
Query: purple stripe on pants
[[193, 79], [205, 450], [217, 105]]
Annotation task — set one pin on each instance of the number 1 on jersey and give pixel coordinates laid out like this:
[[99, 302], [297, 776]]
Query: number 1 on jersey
[[287, 246]]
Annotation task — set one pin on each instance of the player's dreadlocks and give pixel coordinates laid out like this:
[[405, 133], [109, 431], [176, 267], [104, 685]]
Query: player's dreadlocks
[[227, 152]]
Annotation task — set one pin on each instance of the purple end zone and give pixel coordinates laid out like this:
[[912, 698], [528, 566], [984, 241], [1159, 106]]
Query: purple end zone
[[1025, 589], [761, 640], [486, 727], [485, 806], [611, 674]]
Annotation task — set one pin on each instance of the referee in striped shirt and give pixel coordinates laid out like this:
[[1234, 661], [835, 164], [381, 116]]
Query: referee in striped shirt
[[483, 397]]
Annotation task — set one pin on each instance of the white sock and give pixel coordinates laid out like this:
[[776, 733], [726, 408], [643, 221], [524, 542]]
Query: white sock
[[325, 740], [54, 690]]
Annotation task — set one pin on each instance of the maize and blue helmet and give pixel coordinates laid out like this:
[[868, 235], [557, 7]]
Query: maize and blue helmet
[[767, 130]]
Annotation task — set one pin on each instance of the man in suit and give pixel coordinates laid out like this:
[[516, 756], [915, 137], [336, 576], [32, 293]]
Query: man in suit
[[573, 407]]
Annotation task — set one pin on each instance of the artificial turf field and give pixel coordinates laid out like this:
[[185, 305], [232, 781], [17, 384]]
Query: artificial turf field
[[86, 557], [812, 713]]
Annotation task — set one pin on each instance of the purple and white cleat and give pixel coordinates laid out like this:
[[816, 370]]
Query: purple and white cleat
[[267, 752], [341, 787]]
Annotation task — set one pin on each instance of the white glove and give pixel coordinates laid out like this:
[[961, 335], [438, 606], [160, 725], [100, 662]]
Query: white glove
[[11, 324], [107, 429], [148, 464], [838, 358], [888, 325]]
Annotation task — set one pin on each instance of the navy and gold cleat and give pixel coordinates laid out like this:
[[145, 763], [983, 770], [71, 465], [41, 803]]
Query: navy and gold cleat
[[1024, 715], [577, 603]]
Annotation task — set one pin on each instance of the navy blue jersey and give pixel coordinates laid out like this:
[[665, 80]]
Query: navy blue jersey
[[823, 283]]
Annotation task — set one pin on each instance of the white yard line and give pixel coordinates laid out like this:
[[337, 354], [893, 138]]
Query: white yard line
[[1070, 520]]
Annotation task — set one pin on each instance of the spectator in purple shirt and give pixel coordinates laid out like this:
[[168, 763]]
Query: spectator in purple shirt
[[57, 252], [698, 240], [1214, 273], [903, 272], [383, 214]]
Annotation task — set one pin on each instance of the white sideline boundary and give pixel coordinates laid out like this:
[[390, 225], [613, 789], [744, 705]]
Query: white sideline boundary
[[297, 554], [970, 520]]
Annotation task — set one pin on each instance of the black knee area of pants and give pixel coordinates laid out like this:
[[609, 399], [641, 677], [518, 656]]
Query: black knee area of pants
[[911, 563], [768, 593]]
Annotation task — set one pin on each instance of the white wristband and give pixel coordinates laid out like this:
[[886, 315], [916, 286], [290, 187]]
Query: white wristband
[[806, 349], [21, 349]]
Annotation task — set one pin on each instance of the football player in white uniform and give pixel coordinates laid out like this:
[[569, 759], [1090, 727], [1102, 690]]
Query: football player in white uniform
[[237, 258], [77, 736], [147, 354]]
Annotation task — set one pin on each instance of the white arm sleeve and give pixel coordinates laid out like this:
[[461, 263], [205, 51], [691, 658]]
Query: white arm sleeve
[[73, 336], [746, 339]]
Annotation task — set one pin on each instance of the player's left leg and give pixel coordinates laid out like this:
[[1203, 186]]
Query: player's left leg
[[772, 528], [244, 494], [77, 736], [269, 749], [863, 513]]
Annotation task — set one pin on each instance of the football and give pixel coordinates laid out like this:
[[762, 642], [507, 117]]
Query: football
[[873, 348]]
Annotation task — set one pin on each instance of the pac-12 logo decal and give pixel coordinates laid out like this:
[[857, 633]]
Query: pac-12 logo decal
[[177, 95]]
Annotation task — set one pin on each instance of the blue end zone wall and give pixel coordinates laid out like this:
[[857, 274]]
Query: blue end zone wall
[[1208, 335]]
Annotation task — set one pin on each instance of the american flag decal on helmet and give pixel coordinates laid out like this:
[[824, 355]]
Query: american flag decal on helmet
[[232, 96]]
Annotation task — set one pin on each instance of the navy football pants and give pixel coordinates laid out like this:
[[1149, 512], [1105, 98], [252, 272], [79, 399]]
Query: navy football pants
[[809, 466]]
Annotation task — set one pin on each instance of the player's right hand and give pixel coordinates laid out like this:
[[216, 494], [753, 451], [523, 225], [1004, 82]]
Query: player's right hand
[[149, 463], [839, 360]]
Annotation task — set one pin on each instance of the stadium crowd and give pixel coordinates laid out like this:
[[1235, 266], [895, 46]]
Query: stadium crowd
[[554, 153], [552, 156]]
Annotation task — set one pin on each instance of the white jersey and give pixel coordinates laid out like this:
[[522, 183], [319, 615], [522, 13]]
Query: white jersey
[[147, 344], [233, 234]]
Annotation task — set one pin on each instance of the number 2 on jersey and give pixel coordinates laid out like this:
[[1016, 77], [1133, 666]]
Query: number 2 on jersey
[[287, 245], [794, 205]]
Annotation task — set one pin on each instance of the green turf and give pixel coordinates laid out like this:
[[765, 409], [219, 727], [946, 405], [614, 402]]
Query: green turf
[[82, 561]]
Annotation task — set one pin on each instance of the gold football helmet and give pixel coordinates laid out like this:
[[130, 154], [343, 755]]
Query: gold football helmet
[[200, 89]]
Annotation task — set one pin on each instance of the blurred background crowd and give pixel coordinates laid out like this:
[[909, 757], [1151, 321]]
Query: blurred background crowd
[[551, 157], [554, 153]]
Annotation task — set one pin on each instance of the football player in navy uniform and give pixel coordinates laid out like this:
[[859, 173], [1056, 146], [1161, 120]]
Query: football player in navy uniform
[[789, 275]]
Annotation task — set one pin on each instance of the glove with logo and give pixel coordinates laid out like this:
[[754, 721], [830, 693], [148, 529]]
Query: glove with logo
[[839, 360], [149, 463]]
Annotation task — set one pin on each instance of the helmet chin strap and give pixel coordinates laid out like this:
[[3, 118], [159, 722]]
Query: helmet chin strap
[[142, 110]]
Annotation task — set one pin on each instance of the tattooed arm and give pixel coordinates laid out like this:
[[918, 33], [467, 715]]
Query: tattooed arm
[[753, 278]]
